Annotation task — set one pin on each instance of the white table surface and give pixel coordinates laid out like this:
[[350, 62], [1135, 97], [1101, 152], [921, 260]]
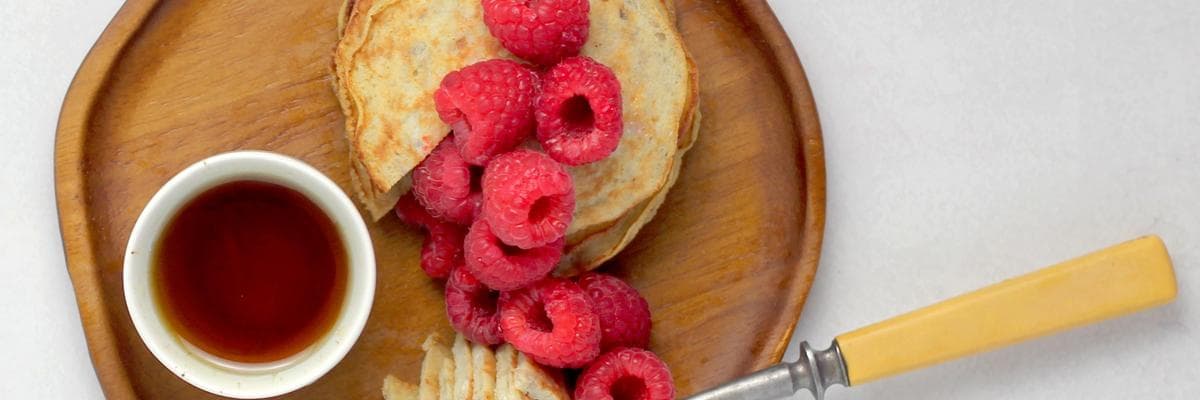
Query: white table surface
[[966, 142]]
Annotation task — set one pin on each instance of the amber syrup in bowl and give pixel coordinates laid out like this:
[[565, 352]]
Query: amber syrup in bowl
[[249, 274], [250, 271]]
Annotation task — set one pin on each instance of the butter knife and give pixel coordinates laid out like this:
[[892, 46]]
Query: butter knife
[[1119, 280]]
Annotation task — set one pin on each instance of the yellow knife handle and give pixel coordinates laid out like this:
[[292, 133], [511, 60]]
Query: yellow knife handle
[[1115, 281]]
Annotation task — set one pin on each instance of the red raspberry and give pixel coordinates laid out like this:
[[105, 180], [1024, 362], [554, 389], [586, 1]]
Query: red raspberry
[[503, 267], [579, 111], [542, 31], [472, 309], [552, 322], [412, 212], [489, 105], [527, 198], [443, 246], [447, 186], [442, 250], [624, 314], [626, 373]]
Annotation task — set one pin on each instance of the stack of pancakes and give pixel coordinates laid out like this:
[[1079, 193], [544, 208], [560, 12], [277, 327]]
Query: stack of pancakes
[[469, 371], [393, 54]]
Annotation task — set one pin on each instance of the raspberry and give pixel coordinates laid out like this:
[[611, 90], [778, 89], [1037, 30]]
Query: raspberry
[[489, 105], [626, 373], [527, 198], [624, 314], [471, 308], [502, 267], [412, 212], [543, 31], [579, 111], [442, 250], [443, 246], [552, 322], [447, 186]]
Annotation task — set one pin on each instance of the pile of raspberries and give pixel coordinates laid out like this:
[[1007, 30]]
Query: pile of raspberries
[[495, 213]]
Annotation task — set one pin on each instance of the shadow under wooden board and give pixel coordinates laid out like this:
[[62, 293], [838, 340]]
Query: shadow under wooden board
[[725, 265]]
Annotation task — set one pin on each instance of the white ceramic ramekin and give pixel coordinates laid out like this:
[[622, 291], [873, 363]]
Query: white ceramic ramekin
[[229, 378]]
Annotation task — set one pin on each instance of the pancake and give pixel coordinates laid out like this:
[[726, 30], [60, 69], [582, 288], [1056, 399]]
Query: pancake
[[386, 68], [537, 382], [500, 374], [588, 253], [483, 361], [395, 389], [437, 370], [506, 365], [464, 370]]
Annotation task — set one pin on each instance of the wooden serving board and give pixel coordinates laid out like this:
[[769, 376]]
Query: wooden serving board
[[725, 265]]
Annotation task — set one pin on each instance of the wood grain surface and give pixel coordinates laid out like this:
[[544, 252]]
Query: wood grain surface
[[726, 265]]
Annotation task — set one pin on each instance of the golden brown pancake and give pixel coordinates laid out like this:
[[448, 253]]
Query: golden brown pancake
[[393, 54], [503, 374], [437, 364], [396, 389]]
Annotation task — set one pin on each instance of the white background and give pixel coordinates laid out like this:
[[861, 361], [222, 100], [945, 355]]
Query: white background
[[966, 142]]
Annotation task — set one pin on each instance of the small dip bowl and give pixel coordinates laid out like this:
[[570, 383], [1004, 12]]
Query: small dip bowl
[[226, 377]]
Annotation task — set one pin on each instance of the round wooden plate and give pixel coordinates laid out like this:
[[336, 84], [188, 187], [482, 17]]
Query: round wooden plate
[[726, 265]]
